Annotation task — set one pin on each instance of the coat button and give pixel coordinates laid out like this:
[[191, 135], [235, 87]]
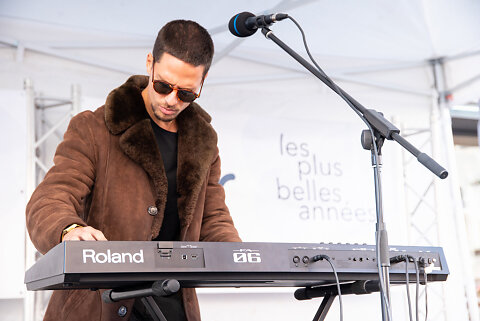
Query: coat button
[[122, 311], [152, 210]]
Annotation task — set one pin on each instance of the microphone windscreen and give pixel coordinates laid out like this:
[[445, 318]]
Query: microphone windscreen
[[237, 25]]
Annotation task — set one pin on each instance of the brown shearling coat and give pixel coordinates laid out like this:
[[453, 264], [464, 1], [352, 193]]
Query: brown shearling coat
[[108, 171]]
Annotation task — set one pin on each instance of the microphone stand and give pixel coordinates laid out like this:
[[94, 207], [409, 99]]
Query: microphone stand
[[379, 130]]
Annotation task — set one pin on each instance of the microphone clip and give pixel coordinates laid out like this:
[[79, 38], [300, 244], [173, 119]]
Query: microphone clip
[[263, 21]]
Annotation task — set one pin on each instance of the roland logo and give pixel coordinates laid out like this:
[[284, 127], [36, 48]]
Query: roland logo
[[90, 256]]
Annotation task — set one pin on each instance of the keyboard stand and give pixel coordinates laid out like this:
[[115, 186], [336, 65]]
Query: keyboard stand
[[324, 307], [145, 293], [153, 309], [330, 292]]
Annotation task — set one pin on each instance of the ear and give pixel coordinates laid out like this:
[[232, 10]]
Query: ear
[[203, 79], [149, 63]]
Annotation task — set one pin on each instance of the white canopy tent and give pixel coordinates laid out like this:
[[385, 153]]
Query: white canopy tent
[[411, 60]]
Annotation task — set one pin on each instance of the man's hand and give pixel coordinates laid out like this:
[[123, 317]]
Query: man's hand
[[87, 233]]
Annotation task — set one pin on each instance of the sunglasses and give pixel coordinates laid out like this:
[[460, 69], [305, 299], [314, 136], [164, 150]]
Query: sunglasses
[[164, 88]]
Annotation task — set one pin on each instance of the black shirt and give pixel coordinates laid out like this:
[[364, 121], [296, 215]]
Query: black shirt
[[172, 306], [167, 143]]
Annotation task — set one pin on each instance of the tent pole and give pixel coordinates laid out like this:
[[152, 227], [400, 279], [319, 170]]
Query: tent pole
[[460, 258]]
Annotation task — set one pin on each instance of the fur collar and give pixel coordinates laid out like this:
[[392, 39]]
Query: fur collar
[[126, 116]]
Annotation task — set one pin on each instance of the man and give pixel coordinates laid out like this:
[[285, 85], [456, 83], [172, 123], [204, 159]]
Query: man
[[144, 166]]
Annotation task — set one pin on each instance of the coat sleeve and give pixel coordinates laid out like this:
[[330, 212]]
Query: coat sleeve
[[59, 199], [217, 224]]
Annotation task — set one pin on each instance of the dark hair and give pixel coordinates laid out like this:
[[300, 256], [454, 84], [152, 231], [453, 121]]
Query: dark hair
[[185, 40]]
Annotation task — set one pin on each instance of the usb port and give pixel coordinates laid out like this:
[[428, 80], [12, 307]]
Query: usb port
[[194, 256]]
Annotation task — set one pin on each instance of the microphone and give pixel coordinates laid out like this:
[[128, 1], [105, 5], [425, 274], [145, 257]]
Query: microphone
[[246, 23]]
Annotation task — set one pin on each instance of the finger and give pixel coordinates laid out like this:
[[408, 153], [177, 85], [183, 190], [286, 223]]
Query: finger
[[93, 234], [73, 235], [70, 237], [87, 233], [86, 236], [98, 235]]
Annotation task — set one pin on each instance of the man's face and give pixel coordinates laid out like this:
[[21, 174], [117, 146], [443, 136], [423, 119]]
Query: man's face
[[164, 108]]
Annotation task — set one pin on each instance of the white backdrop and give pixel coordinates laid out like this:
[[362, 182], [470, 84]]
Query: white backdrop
[[297, 180], [12, 207]]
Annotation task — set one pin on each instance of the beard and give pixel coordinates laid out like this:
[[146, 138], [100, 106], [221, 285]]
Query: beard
[[167, 118]]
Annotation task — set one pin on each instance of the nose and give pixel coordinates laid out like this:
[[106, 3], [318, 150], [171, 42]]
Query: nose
[[172, 98]]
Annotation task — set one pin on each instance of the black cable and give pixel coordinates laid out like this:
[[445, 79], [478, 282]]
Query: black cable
[[417, 286], [326, 257], [398, 259], [421, 261], [375, 149], [426, 298], [330, 81], [407, 278], [425, 277]]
